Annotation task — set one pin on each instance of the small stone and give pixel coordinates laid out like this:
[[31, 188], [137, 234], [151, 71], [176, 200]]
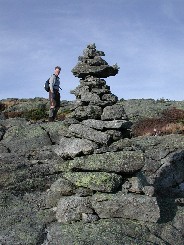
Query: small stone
[[71, 208], [149, 190], [88, 218], [113, 112]]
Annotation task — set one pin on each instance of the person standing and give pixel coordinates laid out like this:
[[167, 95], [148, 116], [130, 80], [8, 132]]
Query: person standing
[[54, 95]]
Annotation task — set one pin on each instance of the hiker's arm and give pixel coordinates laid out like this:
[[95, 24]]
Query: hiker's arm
[[51, 83]]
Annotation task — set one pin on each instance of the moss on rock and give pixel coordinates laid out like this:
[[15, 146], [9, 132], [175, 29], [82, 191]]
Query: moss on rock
[[98, 181], [119, 162]]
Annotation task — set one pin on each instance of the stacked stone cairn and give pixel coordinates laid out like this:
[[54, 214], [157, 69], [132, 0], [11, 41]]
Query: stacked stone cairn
[[100, 118], [95, 164]]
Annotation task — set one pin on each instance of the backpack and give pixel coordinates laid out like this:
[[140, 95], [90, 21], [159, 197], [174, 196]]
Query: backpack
[[46, 86]]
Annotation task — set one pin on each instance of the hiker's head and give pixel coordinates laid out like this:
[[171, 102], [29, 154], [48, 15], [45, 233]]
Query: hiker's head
[[57, 70]]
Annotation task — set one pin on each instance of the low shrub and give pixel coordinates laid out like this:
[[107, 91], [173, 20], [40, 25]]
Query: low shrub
[[173, 115], [12, 114], [2, 106], [171, 121], [61, 116], [36, 114]]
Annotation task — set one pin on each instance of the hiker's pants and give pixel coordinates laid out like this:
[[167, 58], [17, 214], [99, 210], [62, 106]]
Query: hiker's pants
[[54, 103]]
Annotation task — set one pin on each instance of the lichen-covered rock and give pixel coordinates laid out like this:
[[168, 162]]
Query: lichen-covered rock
[[164, 156], [136, 184], [80, 90], [137, 109], [118, 162], [20, 174], [19, 222], [178, 221], [118, 205], [3, 148], [11, 122], [110, 98], [88, 218], [71, 208], [171, 172], [83, 192], [115, 134], [97, 181], [25, 138], [101, 125], [93, 82], [72, 147], [55, 130], [106, 231], [122, 145], [113, 112], [85, 132], [85, 112], [61, 187], [90, 97]]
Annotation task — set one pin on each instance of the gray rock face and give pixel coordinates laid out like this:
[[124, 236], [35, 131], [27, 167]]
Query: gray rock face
[[3, 149], [101, 125], [90, 97], [72, 147], [85, 112], [61, 187], [31, 137], [71, 209], [89, 133], [130, 206], [52, 189], [163, 160], [113, 231], [118, 162], [113, 112]]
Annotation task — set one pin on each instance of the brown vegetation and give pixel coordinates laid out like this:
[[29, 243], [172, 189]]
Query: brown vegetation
[[10, 102], [35, 114], [2, 106], [170, 122], [61, 116], [12, 114]]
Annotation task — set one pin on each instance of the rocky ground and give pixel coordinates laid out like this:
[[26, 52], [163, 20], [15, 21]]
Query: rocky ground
[[135, 109], [85, 180], [129, 192]]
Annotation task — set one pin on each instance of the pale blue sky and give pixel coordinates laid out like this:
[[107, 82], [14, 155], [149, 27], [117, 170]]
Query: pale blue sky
[[144, 37]]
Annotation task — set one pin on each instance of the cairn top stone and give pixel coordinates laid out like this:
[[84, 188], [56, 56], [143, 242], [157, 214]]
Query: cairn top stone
[[92, 64]]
